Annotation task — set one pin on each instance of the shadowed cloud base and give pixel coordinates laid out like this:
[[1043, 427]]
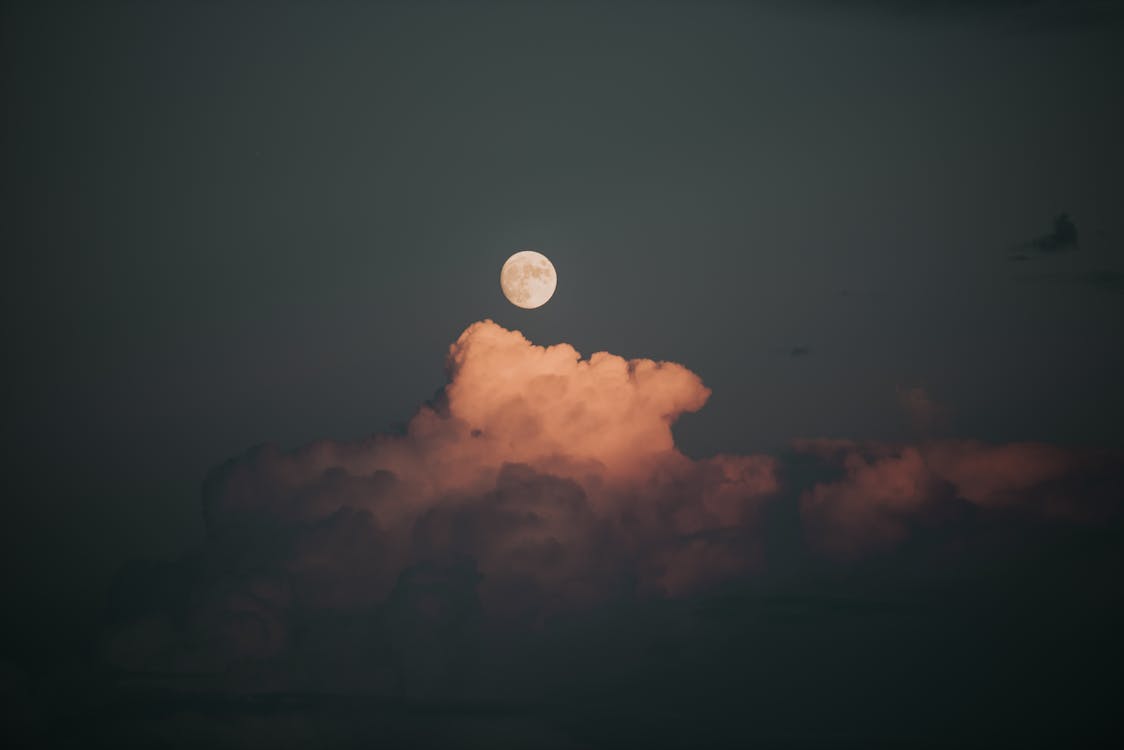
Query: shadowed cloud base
[[540, 499]]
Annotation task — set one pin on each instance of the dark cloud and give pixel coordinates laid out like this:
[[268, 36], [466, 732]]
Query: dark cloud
[[1062, 239]]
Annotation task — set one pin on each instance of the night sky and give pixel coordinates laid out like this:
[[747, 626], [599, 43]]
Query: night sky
[[887, 236]]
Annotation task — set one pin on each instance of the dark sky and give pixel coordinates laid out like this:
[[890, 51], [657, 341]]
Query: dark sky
[[226, 224]]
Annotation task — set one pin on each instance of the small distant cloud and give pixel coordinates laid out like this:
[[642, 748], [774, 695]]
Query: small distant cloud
[[1062, 239], [924, 414]]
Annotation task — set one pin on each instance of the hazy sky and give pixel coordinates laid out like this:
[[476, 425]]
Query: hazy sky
[[233, 223]]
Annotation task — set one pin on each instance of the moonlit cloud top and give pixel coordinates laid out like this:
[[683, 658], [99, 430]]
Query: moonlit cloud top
[[538, 484]]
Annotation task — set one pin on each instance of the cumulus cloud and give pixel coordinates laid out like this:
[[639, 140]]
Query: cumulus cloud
[[542, 481], [530, 455], [537, 484]]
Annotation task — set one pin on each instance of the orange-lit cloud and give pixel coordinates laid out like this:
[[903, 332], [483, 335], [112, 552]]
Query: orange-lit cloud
[[541, 483], [885, 491], [544, 468]]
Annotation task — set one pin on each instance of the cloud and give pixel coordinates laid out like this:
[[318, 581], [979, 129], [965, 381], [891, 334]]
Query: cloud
[[553, 479], [885, 493], [536, 485], [527, 449], [924, 414], [1062, 239]]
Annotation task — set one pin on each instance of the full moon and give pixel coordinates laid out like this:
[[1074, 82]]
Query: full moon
[[528, 279]]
